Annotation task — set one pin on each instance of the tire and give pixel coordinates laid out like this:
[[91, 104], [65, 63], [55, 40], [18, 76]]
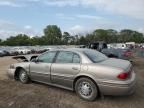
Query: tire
[[86, 89], [23, 77]]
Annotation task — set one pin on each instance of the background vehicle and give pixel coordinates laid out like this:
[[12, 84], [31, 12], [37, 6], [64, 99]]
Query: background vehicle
[[118, 46], [20, 50], [118, 53], [1, 53], [4, 52], [97, 45]]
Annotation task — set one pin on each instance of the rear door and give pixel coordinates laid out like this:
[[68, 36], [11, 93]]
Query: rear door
[[40, 70], [66, 67]]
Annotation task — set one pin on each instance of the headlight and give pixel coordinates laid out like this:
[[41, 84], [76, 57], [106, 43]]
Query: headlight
[[12, 66]]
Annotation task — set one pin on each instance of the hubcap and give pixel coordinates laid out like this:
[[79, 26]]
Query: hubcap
[[85, 89], [23, 77]]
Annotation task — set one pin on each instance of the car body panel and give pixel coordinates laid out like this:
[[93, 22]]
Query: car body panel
[[104, 72], [11, 73], [127, 87], [64, 74], [24, 65], [40, 71], [123, 64]]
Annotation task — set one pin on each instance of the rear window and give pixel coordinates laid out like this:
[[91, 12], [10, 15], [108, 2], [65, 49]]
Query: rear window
[[95, 56]]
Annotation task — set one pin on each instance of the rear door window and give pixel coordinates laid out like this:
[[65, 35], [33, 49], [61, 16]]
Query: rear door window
[[76, 58], [67, 57]]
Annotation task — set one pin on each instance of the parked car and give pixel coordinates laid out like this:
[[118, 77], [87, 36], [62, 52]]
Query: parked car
[[3, 52], [88, 72], [20, 50], [142, 46], [97, 45], [125, 54], [118, 46], [81, 46]]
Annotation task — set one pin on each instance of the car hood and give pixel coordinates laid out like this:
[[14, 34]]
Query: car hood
[[25, 58], [118, 63]]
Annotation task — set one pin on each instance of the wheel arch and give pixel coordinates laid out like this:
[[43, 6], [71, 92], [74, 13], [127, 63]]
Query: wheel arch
[[16, 75], [89, 77]]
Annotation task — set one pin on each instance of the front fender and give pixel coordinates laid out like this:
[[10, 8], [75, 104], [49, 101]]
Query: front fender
[[24, 66], [11, 72]]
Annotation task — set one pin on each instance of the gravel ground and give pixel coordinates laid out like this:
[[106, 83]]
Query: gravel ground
[[13, 94]]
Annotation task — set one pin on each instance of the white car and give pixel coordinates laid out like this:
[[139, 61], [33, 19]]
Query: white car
[[20, 50], [118, 46]]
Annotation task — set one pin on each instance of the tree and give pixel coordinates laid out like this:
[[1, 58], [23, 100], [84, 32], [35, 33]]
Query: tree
[[100, 35], [65, 36], [19, 40], [0, 41], [52, 35], [82, 40], [77, 39], [71, 40], [137, 37], [127, 35], [37, 40], [90, 37], [112, 36]]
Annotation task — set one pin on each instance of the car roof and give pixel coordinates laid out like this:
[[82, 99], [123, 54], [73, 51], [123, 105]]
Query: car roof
[[72, 49]]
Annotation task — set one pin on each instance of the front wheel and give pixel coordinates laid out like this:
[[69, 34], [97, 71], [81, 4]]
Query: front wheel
[[23, 77], [86, 89]]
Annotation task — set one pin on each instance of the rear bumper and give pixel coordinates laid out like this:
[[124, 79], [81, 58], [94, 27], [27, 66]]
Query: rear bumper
[[119, 89], [11, 73]]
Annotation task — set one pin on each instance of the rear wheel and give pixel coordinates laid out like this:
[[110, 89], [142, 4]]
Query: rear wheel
[[23, 77], [86, 89]]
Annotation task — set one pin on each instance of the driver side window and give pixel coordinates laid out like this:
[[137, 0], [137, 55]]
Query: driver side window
[[47, 57]]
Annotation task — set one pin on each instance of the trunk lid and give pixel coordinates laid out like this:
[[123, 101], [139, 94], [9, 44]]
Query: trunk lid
[[118, 63]]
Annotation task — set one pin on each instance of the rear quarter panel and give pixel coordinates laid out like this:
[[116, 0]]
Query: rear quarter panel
[[99, 73]]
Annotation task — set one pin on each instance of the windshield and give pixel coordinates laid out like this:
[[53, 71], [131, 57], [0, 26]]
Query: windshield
[[95, 56]]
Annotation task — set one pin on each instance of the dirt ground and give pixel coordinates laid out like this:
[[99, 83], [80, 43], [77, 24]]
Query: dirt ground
[[13, 94]]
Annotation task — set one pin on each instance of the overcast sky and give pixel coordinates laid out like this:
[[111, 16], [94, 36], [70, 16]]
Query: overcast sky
[[75, 16]]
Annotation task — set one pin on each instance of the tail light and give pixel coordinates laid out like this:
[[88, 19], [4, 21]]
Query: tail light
[[127, 53], [123, 75]]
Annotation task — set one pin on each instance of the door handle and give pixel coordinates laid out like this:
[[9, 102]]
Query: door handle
[[74, 68]]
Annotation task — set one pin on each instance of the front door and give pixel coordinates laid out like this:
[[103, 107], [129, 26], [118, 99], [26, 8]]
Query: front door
[[41, 69]]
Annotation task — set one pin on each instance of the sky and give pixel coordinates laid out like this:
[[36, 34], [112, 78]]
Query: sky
[[74, 16]]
